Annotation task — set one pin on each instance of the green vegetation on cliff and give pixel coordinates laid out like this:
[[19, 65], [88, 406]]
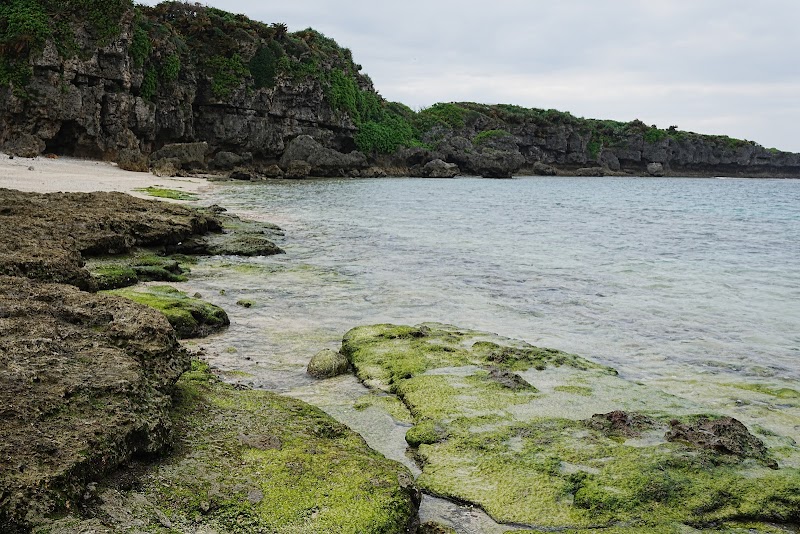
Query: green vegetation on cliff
[[26, 25]]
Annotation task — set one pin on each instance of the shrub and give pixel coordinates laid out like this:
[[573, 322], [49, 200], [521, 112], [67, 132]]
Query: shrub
[[171, 68], [226, 74], [264, 65], [149, 84]]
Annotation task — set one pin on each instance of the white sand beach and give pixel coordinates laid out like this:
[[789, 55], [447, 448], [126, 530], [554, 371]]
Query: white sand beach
[[46, 175]]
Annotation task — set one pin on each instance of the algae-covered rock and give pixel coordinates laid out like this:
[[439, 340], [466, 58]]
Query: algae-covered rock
[[85, 383], [191, 317], [548, 439], [327, 364], [241, 237], [252, 461], [116, 272]]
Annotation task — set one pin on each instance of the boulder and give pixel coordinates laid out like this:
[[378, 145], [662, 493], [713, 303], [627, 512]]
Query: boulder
[[493, 163], [655, 169], [183, 155], [439, 169], [226, 161], [541, 169], [85, 386], [132, 160], [272, 171], [327, 364], [323, 161], [166, 168]]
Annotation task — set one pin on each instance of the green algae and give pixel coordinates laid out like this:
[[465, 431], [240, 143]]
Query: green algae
[[252, 461], [308, 472], [388, 403], [189, 316], [116, 272], [172, 194], [575, 390], [527, 456]]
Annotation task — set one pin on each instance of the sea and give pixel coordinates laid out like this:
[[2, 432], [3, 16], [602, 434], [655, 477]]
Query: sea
[[675, 282]]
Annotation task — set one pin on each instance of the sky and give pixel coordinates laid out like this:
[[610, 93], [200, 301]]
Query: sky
[[709, 66]]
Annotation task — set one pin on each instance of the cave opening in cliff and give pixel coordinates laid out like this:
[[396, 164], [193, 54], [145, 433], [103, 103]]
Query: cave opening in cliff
[[72, 140]]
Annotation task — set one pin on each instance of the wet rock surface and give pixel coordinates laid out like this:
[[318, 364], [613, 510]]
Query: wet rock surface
[[85, 384], [190, 317], [542, 457], [723, 435], [327, 364]]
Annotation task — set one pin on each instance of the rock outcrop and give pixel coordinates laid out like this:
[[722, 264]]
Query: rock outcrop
[[322, 161], [46, 236], [84, 386]]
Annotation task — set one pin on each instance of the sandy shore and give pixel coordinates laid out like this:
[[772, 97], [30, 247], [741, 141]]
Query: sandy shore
[[45, 175]]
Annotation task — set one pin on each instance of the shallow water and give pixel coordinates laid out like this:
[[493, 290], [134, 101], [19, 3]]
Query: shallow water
[[671, 281]]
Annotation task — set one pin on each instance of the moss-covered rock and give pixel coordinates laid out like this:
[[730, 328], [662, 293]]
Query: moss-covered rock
[[252, 461], [510, 427], [189, 316], [115, 272], [327, 364]]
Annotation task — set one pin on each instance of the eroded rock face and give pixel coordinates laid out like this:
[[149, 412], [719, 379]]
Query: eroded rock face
[[84, 385]]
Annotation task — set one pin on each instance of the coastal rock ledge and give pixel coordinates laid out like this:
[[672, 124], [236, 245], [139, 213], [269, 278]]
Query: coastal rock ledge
[[85, 383]]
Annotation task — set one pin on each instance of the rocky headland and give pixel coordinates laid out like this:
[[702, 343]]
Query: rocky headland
[[179, 88]]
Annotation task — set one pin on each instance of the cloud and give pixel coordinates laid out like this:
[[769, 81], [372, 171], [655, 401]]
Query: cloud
[[714, 66]]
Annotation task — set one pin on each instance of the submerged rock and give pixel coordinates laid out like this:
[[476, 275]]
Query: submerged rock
[[537, 455], [85, 383], [268, 464], [327, 364]]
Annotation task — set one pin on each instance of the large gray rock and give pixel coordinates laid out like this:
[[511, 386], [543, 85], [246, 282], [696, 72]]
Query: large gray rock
[[24, 146], [655, 169], [324, 161], [493, 163], [440, 169], [185, 155], [542, 169]]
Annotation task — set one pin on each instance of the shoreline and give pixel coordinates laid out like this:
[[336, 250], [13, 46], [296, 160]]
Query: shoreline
[[75, 175]]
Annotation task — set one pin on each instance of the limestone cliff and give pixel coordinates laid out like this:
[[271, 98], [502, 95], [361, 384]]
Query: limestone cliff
[[113, 81]]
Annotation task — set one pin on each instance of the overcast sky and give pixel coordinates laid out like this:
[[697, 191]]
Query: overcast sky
[[710, 66]]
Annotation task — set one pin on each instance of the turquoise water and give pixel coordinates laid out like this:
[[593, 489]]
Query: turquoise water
[[689, 285]]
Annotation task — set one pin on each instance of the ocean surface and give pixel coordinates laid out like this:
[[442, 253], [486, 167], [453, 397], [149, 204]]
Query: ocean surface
[[670, 281]]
